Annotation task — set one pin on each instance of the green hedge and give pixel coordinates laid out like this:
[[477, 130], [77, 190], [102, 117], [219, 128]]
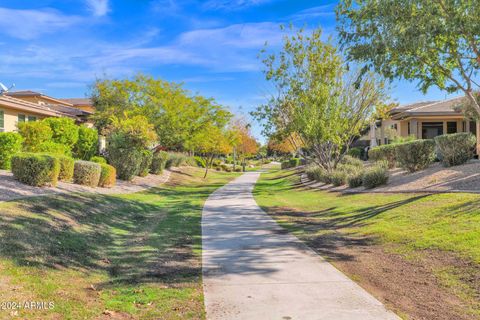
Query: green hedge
[[159, 161], [147, 157], [385, 152], [127, 161], [374, 177], [108, 176], [98, 159], [415, 155], [87, 144], [53, 148], [456, 149], [10, 144], [35, 169], [66, 167], [87, 173]]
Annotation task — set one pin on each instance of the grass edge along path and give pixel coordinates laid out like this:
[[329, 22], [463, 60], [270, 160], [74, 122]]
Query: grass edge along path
[[419, 254], [135, 256]]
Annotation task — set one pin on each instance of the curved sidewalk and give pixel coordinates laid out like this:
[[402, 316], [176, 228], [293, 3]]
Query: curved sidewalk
[[253, 269]]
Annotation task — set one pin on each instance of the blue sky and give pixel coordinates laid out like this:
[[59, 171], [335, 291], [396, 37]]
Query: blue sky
[[60, 47]]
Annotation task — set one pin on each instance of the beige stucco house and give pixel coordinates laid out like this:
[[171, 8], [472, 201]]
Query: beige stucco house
[[23, 106]]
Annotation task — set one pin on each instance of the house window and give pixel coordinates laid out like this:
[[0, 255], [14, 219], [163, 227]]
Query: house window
[[32, 118], [2, 122], [21, 118], [473, 128], [451, 127], [431, 129]]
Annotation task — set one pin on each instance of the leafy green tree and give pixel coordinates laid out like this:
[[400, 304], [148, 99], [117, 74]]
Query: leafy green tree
[[87, 144], [434, 42], [317, 98]]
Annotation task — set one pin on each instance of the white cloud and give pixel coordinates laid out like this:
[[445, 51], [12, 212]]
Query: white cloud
[[99, 8], [233, 4], [29, 24]]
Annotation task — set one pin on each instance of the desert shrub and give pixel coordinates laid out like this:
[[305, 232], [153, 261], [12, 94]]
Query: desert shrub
[[98, 159], [34, 133], [108, 176], [415, 155], [10, 144], [291, 163], [352, 161], [456, 149], [87, 143], [190, 161], [384, 152], [356, 152], [53, 148], [159, 161], [175, 160], [66, 167], [127, 162], [338, 177], [86, 173], [147, 157], [374, 176], [310, 172], [319, 174], [355, 179], [64, 131], [35, 169]]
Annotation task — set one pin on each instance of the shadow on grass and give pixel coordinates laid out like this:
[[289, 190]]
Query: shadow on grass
[[146, 237]]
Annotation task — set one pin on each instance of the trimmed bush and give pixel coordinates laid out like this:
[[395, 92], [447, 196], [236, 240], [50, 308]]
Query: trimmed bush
[[98, 159], [385, 152], [456, 149], [108, 176], [87, 144], [66, 167], [10, 143], [53, 148], [35, 169], [86, 173], [374, 177], [159, 161], [356, 152], [338, 177], [147, 157], [127, 162], [415, 155]]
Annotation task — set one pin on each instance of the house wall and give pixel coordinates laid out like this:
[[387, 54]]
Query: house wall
[[11, 118]]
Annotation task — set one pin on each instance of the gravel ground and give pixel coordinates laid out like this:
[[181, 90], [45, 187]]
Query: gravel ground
[[436, 178], [11, 189]]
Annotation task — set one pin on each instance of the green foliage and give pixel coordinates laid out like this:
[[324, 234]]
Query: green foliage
[[147, 157], [98, 159], [108, 176], [64, 131], [291, 163], [456, 149], [355, 178], [415, 155], [53, 148], [35, 169], [338, 177], [190, 161], [66, 167], [400, 139], [200, 162], [10, 144], [175, 160], [159, 162], [87, 173], [430, 42], [127, 161], [87, 144], [34, 133], [351, 161], [356, 152], [374, 176], [386, 152]]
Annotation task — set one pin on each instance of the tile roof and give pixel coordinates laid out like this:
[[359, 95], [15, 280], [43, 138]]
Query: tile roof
[[442, 107], [26, 105], [79, 101]]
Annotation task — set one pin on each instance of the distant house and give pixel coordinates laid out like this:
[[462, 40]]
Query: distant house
[[425, 120], [21, 106]]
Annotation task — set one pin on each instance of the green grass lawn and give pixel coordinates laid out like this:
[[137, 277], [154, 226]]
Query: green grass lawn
[[408, 224], [122, 256]]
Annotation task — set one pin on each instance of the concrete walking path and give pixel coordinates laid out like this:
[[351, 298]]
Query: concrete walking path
[[253, 269]]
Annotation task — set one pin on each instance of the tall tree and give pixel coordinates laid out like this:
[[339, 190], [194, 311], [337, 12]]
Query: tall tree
[[246, 145], [435, 42], [318, 99]]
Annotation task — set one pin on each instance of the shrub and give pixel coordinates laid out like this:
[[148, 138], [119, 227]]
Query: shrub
[[87, 144], [10, 143], [200, 161], [352, 161], [175, 160], [456, 149], [338, 177], [159, 161], [318, 174], [190, 161], [86, 173], [66, 167], [374, 176], [384, 152], [127, 161], [415, 155], [64, 131], [35, 169], [34, 133], [310, 171], [53, 148], [356, 152], [292, 163], [238, 169], [355, 179], [98, 159], [147, 157], [108, 176]]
